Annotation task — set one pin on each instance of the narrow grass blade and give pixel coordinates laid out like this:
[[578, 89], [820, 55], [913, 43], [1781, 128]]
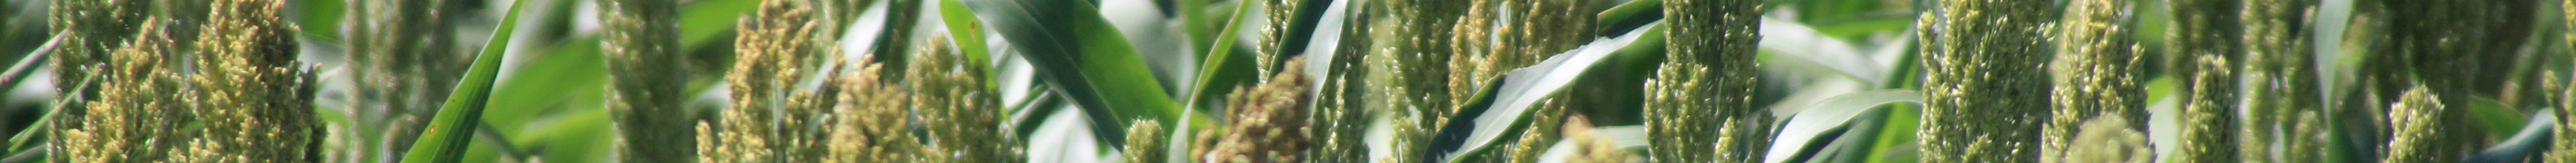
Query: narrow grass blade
[[448, 134], [1222, 70]]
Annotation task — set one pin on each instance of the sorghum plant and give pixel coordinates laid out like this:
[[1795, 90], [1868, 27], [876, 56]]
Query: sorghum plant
[[776, 42], [1984, 84], [2418, 135], [1486, 46], [90, 29], [138, 95], [1266, 121], [2306, 131], [2109, 138], [253, 99], [1707, 78], [2562, 97], [1145, 142], [2208, 116], [962, 114], [873, 118], [2096, 74], [648, 78], [2279, 69], [404, 60]]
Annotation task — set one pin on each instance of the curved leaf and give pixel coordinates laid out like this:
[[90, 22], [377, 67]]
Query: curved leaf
[[1821, 122], [1792, 39], [1084, 57], [1501, 110], [448, 133], [2526, 145]]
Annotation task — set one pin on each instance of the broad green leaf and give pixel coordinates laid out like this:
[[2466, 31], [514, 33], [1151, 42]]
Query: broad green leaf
[[2497, 119], [1809, 130], [1084, 57], [1500, 111], [1791, 39], [1633, 14], [448, 134], [2526, 143], [968, 33]]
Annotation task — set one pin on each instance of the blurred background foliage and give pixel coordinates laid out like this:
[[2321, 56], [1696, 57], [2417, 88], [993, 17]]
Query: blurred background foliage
[[1819, 58]]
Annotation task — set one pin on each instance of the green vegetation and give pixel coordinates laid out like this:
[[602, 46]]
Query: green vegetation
[[1287, 81]]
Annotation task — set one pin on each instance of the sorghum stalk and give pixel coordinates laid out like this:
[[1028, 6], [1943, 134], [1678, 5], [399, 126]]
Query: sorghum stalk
[[137, 97], [255, 101], [1267, 123], [2109, 139], [648, 77], [777, 41], [1145, 142], [90, 30], [2418, 137], [2209, 115], [1984, 85], [873, 119], [2096, 74], [1707, 78], [964, 115], [2280, 70]]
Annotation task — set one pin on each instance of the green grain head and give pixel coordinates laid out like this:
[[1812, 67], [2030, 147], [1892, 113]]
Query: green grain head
[[2209, 115], [1489, 41], [254, 101], [138, 95], [648, 78], [90, 30], [1544, 129], [1707, 78], [775, 43], [2096, 74], [964, 115], [1984, 83], [872, 120], [2280, 70], [2564, 98], [1267, 122], [1145, 142], [2109, 139], [2415, 124]]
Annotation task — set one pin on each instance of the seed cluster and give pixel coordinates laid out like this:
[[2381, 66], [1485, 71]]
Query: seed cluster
[[2280, 68], [1707, 78], [2418, 136], [2208, 119], [772, 51], [960, 111], [2109, 139], [130, 121], [252, 98], [648, 78], [1984, 85], [2096, 72], [1267, 122]]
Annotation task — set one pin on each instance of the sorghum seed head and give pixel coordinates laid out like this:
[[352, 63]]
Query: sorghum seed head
[[130, 120], [873, 119], [1268, 123], [968, 120], [1145, 142], [648, 78], [1707, 78], [1487, 46], [2109, 139], [2415, 120], [1984, 84], [2209, 117], [2095, 73], [256, 104]]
